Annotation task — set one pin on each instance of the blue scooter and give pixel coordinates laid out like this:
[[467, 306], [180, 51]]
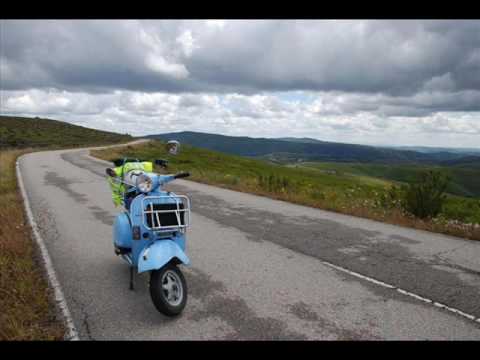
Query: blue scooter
[[150, 236]]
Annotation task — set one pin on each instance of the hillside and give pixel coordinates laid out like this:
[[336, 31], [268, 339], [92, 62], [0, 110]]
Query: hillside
[[22, 132], [431, 149], [287, 150], [464, 179], [302, 140]]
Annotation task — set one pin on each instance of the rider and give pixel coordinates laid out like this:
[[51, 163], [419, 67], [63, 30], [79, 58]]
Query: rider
[[126, 173]]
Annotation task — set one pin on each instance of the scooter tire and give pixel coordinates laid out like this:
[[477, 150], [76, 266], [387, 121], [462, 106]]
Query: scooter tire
[[159, 294]]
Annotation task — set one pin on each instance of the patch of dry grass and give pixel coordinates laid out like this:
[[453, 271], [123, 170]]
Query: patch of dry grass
[[27, 309]]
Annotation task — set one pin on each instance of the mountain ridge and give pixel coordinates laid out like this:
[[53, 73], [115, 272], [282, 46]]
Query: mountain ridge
[[308, 149]]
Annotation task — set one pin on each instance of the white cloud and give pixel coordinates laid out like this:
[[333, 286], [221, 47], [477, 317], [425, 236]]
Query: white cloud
[[35, 102], [187, 42], [158, 64], [220, 24], [150, 103], [265, 115]]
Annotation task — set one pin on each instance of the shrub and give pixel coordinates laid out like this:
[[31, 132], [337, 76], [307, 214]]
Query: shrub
[[425, 198]]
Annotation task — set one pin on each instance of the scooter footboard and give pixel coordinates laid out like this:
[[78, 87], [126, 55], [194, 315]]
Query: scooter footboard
[[160, 253]]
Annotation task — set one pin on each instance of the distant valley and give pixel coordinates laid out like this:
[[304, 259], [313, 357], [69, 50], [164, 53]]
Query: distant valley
[[288, 150]]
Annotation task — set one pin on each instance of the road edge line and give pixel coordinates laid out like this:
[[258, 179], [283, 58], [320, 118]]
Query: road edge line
[[60, 301]]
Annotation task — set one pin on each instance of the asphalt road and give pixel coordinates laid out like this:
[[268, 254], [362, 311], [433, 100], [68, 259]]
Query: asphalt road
[[261, 269]]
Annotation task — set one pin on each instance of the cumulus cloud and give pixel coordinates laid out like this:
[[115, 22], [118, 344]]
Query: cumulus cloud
[[324, 117], [338, 80], [395, 57]]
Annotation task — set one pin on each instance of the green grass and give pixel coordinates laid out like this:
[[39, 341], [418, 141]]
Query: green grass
[[27, 308], [356, 194], [464, 179], [20, 132], [457, 207], [223, 169]]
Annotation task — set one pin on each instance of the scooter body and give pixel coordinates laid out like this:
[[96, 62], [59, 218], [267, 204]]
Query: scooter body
[[150, 235], [153, 246]]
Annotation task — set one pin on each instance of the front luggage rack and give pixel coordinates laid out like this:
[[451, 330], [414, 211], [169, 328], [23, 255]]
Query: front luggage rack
[[163, 216]]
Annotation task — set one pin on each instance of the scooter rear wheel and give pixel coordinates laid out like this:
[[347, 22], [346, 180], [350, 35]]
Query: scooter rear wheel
[[168, 290]]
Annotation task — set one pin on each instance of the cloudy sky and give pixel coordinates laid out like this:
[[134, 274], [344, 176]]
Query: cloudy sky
[[369, 82]]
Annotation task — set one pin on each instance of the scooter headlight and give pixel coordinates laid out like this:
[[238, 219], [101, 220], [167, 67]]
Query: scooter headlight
[[144, 183]]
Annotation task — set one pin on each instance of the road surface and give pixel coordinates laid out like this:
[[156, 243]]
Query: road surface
[[261, 269]]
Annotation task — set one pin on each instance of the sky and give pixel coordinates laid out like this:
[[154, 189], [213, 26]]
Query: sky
[[379, 82]]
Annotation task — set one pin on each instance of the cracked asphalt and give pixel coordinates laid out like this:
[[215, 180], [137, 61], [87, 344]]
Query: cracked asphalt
[[257, 271]]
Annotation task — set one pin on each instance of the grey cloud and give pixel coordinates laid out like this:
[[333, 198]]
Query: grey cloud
[[420, 104], [390, 68], [85, 55], [394, 57]]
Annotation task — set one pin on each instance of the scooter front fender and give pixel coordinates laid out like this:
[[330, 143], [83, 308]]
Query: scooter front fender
[[160, 253]]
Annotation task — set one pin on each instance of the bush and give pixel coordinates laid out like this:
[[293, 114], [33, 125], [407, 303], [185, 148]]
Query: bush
[[425, 198]]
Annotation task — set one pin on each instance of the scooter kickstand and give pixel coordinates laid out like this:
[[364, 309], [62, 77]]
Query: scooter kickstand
[[132, 275]]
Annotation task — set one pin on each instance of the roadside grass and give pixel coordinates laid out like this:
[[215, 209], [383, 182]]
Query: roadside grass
[[456, 208], [339, 192], [25, 299], [27, 305], [464, 177]]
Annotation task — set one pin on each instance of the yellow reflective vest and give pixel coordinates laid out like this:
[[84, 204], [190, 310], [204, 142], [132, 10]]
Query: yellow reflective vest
[[118, 188]]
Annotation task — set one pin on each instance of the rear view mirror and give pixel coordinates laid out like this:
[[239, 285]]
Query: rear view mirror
[[161, 162], [173, 147]]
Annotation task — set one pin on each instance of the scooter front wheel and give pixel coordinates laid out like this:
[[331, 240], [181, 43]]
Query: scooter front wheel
[[168, 290]]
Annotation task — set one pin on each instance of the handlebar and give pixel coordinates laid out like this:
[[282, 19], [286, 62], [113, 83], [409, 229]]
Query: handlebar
[[181, 175]]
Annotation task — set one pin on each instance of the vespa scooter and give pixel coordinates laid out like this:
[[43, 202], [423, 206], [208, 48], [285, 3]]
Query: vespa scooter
[[150, 234]]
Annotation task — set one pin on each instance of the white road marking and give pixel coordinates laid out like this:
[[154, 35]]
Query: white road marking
[[71, 333], [402, 291]]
